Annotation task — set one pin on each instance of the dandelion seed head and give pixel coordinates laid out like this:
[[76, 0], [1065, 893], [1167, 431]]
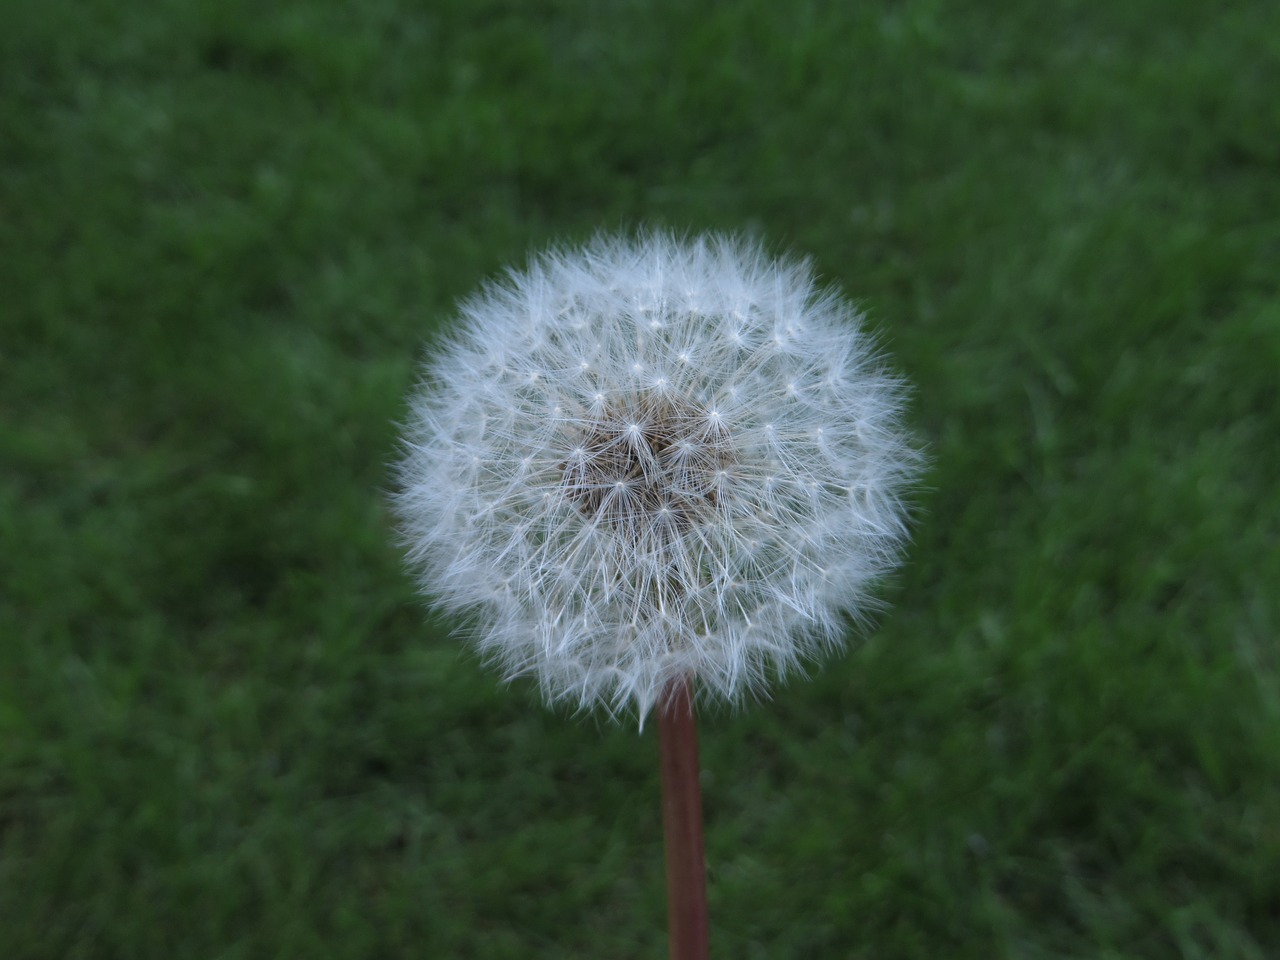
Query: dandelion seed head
[[654, 457]]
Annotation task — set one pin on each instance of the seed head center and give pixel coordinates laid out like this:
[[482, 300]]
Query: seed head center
[[648, 465]]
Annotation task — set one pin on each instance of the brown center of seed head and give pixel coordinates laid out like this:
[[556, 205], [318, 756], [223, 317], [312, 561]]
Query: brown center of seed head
[[649, 465]]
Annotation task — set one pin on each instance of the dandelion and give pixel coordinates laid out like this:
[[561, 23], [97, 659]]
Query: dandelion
[[652, 459], [656, 465]]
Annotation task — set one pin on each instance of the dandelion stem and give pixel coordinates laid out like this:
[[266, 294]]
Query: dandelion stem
[[682, 825]]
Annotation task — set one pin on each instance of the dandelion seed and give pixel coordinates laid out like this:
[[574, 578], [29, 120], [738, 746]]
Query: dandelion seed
[[612, 532]]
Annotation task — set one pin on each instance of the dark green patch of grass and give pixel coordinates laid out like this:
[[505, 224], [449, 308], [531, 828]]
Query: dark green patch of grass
[[227, 729]]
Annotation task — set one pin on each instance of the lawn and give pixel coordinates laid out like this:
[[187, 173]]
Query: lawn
[[229, 728]]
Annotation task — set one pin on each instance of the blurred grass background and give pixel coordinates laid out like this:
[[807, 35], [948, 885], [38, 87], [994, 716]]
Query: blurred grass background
[[227, 727]]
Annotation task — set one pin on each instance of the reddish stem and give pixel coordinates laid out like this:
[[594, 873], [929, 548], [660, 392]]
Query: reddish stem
[[682, 825]]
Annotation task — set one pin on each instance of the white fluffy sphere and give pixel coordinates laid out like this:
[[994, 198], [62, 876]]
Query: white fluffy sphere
[[652, 458]]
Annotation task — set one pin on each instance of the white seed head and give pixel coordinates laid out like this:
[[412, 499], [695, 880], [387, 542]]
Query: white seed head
[[655, 457]]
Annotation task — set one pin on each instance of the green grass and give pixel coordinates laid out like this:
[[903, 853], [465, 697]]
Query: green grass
[[227, 727]]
